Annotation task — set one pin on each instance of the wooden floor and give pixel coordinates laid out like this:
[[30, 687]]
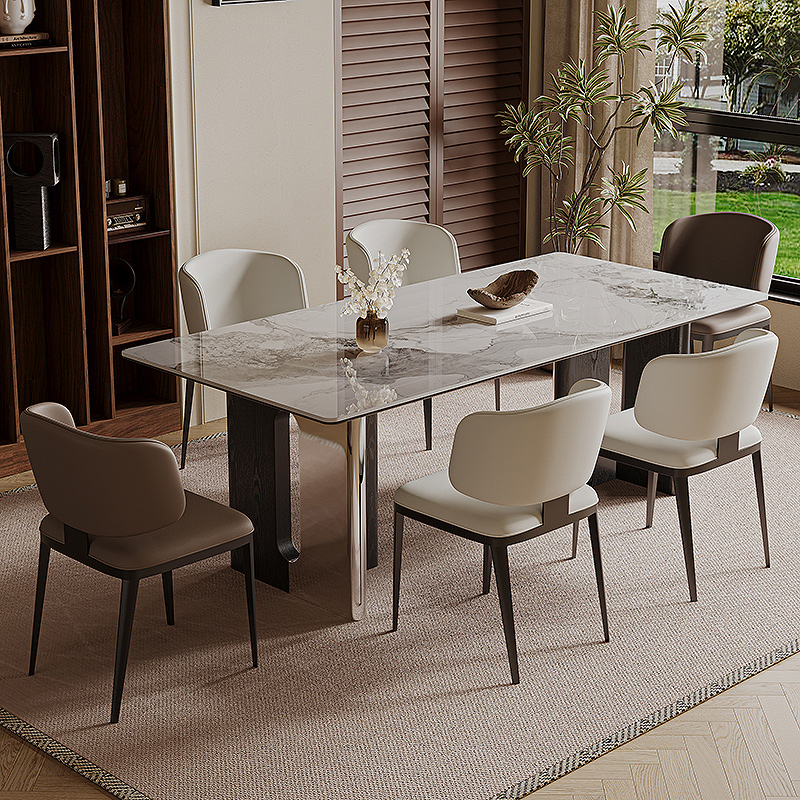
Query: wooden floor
[[743, 744]]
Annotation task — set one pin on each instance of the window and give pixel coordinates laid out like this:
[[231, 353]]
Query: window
[[740, 149]]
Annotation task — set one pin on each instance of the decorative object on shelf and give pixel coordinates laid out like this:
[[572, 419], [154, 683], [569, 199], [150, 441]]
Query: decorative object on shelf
[[371, 301], [33, 165], [125, 213], [593, 98], [16, 15], [122, 279], [119, 187], [108, 188], [34, 39], [506, 291]]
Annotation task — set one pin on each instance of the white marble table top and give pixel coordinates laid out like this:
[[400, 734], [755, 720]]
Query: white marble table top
[[307, 362]]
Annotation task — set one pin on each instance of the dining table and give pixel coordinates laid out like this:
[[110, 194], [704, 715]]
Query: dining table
[[306, 364]]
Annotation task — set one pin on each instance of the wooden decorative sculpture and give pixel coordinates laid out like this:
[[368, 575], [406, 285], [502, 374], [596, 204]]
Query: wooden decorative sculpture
[[507, 290]]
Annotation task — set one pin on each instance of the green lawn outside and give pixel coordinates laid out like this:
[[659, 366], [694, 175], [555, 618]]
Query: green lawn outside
[[781, 209]]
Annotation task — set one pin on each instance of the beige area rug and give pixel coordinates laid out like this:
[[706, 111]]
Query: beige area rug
[[353, 711]]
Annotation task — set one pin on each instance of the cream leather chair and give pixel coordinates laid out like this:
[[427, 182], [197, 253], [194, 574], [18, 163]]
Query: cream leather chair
[[726, 247], [434, 254], [695, 412], [223, 287], [117, 506], [513, 475]]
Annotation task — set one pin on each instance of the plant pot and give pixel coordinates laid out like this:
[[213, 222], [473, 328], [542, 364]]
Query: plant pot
[[372, 332]]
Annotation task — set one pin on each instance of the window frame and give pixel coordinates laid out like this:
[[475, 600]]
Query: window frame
[[776, 130]]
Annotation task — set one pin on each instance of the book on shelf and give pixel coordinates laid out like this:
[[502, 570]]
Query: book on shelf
[[494, 316], [24, 39]]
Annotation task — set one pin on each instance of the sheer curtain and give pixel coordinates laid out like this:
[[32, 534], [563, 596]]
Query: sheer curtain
[[563, 30]]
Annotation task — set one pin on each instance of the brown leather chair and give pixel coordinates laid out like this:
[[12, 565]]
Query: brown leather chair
[[118, 506], [725, 247]]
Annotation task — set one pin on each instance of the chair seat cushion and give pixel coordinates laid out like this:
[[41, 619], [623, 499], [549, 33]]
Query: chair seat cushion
[[205, 524], [731, 322], [625, 436], [434, 496]]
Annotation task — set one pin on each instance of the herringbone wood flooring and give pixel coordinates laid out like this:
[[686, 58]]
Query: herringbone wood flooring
[[743, 744]]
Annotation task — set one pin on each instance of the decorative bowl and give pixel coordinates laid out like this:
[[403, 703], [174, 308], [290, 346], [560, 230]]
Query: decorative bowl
[[507, 290]]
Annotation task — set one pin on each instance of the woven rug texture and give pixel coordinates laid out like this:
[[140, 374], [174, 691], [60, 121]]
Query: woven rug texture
[[351, 710]]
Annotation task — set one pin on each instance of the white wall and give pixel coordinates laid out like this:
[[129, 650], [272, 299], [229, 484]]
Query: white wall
[[253, 122]]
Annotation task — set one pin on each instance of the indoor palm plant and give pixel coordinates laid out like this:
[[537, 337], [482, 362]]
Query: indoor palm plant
[[593, 99]]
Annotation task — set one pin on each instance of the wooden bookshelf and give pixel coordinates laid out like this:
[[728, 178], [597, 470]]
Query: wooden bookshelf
[[101, 84]]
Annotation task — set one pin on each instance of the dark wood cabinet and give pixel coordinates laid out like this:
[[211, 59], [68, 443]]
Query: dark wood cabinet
[[102, 85]]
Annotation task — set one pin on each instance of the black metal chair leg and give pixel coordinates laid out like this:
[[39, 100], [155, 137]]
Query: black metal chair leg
[[497, 394], [769, 393], [127, 606], [652, 483], [762, 506], [187, 414], [41, 582], [594, 536], [575, 529], [681, 484], [249, 584], [169, 602], [398, 558], [500, 559], [427, 407], [487, 568]]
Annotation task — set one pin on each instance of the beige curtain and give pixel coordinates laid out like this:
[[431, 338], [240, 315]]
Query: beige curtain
[[560, 30]]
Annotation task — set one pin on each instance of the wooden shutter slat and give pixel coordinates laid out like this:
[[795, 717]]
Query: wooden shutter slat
[[401, 79], [469, 57], [390, 139], [484, 43], [400, 173], [396, 65], [387, 192], [478, 211], [372, 11], [388, 122], [461, 227], [403, 147], [386, 94], [388, 54], [374, 110]]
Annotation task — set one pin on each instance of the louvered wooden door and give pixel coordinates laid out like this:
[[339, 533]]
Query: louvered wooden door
[[421, 83]]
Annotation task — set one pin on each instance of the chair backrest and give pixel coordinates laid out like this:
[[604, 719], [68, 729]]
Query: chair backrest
[[700, 396], [517, 458], [725, 247], [99, 485], [434, 252], [223, 287]]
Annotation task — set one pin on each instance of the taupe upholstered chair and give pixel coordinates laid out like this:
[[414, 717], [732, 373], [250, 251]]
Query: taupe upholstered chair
[[695, 412], [223, 287], [726, 247], [513, 475], [117, 505], [434, 254]]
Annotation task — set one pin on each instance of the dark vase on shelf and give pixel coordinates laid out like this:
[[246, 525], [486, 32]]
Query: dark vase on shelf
[[372, 332]]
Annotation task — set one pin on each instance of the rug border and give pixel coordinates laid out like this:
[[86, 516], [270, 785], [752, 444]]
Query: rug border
[[118, 788]]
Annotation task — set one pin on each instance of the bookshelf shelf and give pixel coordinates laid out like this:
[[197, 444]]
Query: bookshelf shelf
[[104, 89]]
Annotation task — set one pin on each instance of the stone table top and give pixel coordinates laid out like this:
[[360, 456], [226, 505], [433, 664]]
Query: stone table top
[[307, 361]]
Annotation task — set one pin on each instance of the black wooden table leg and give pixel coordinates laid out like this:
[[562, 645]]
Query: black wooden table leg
[[596, 364], [636, 355], [260, 486]]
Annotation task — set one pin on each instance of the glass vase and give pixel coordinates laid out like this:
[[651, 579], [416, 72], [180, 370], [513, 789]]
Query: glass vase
[[372, 332]]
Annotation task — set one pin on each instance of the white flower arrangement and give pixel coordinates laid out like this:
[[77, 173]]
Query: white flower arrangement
[[365, 398], [377, 295]]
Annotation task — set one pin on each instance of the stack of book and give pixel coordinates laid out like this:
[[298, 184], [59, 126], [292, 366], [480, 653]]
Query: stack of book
[[494, 316], [35, 38]]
